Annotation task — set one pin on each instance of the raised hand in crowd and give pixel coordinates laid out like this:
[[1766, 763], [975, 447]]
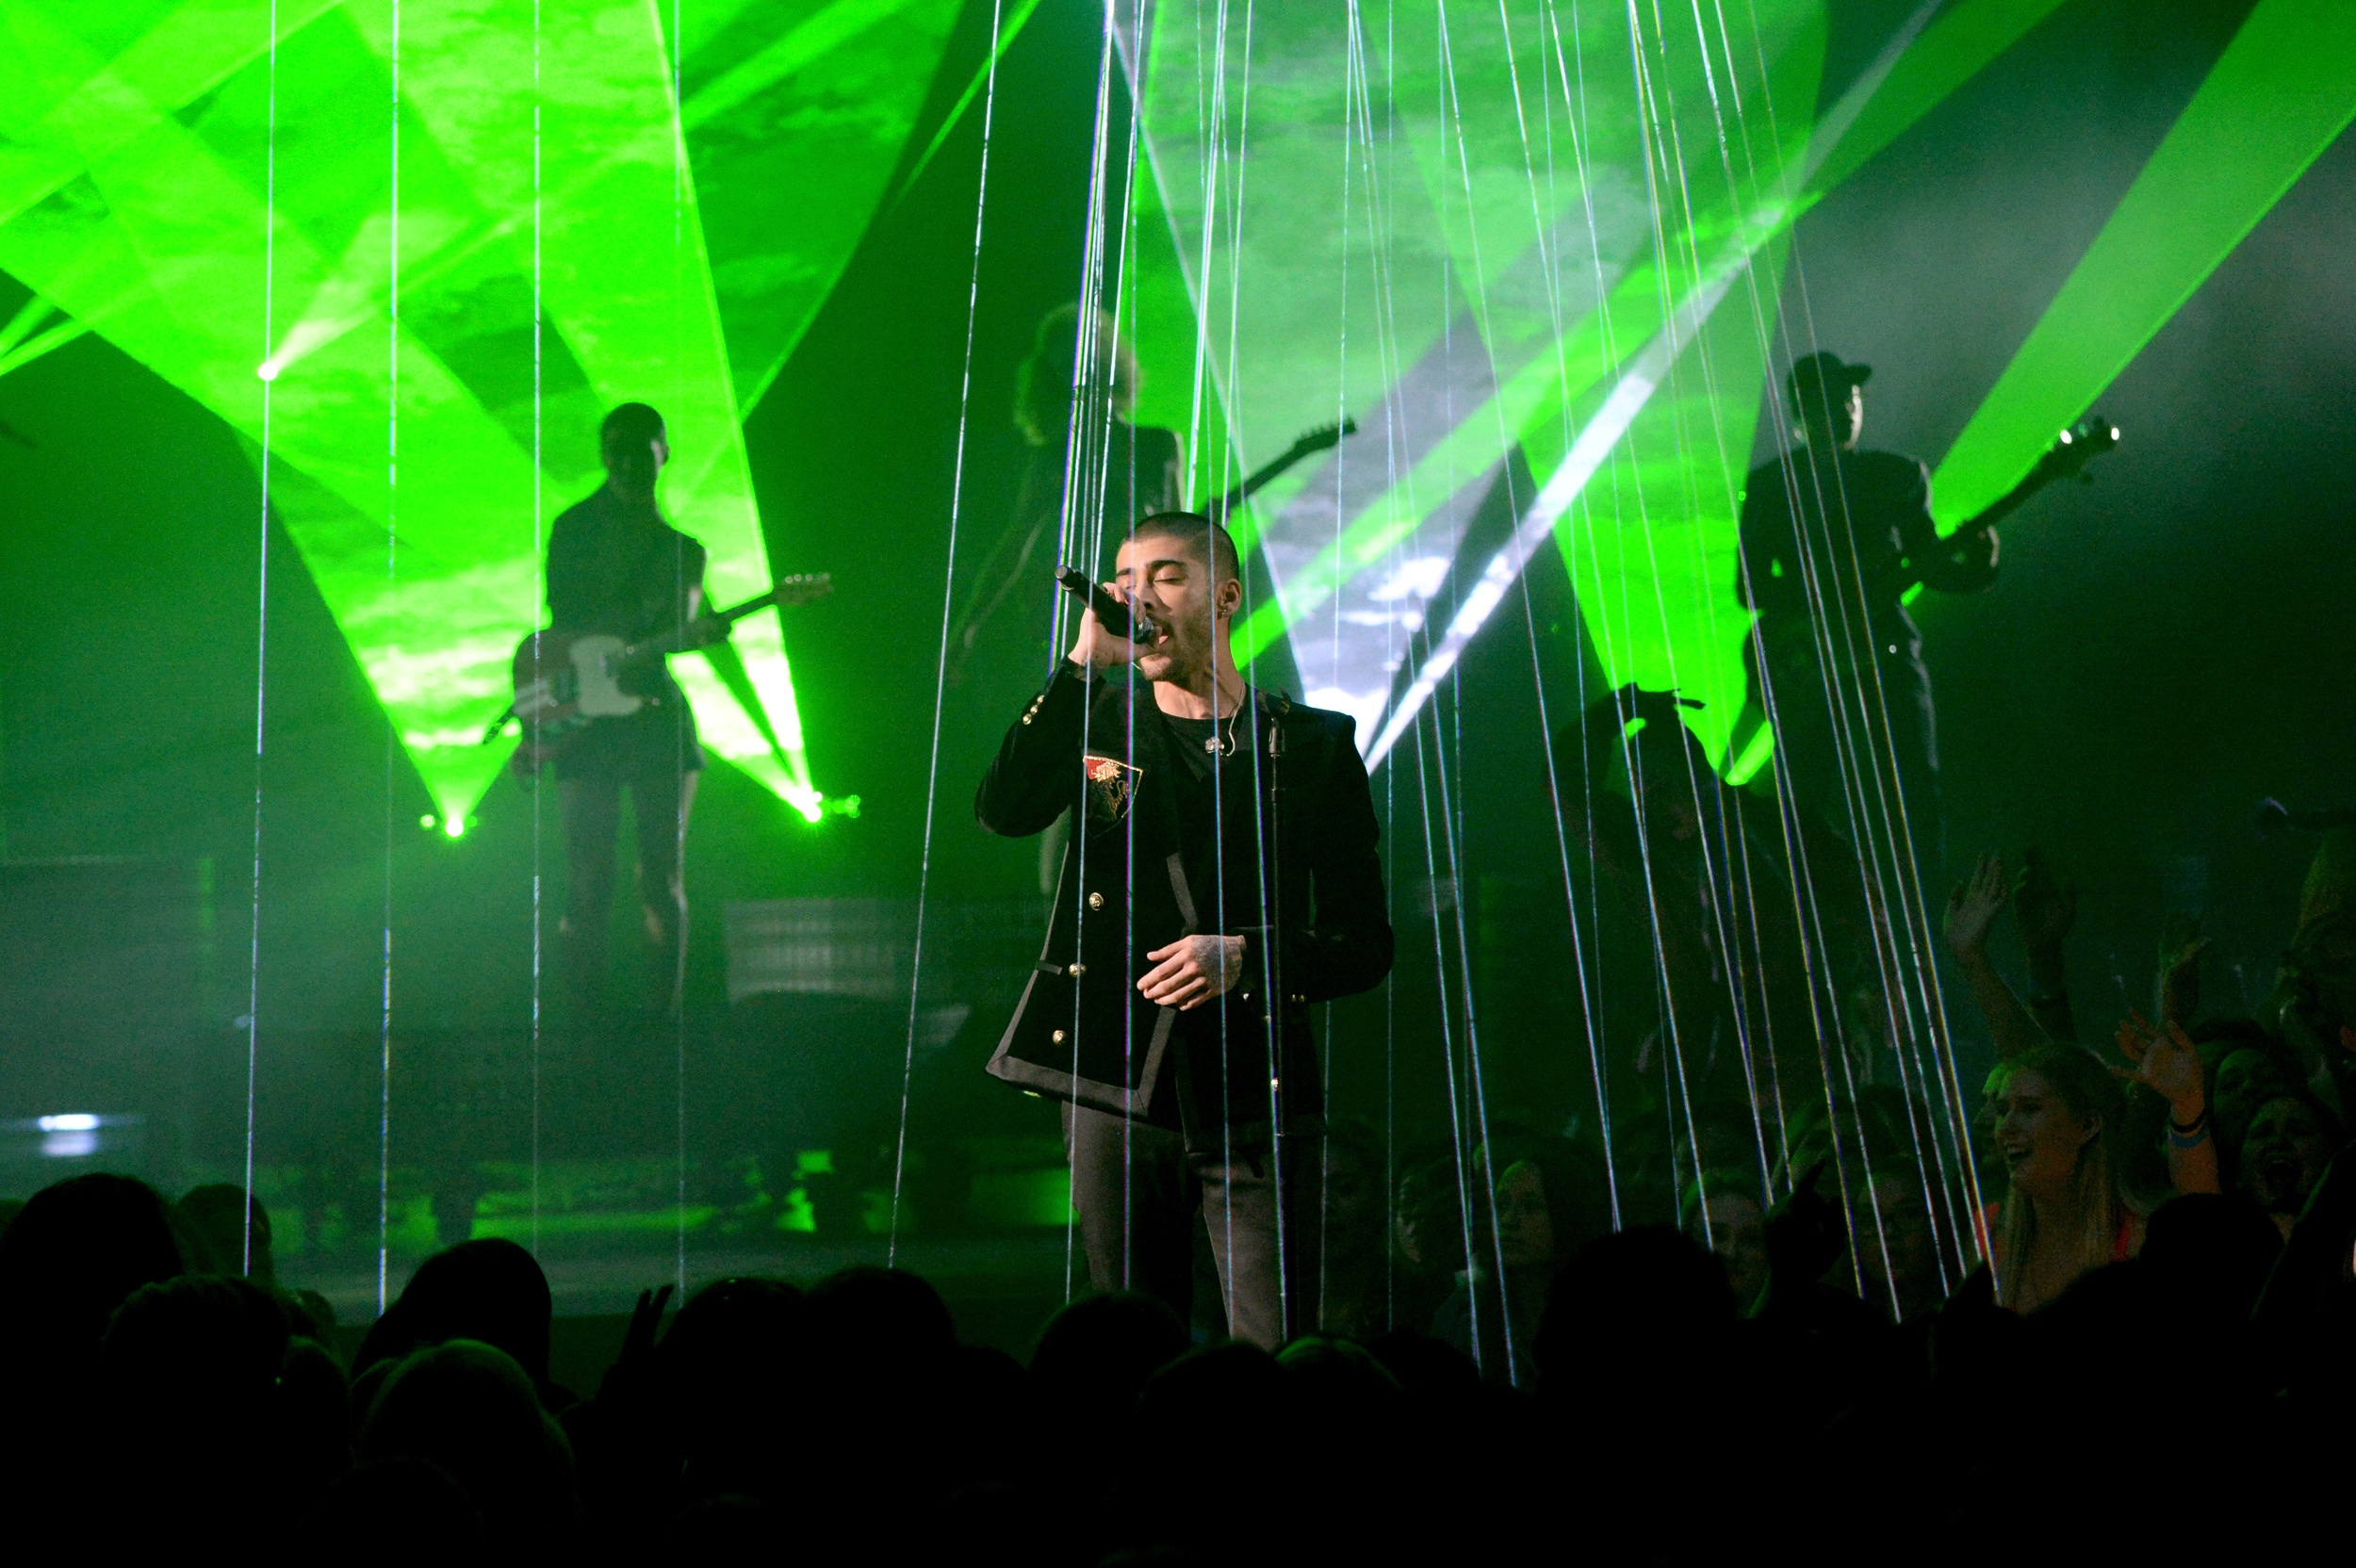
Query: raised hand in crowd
[[2166, 1061], [2046, 910], [1972, 911], [634, 1364], [2180, 946], [1972, 907]]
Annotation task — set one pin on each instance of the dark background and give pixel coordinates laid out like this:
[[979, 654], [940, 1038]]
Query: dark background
[[2163, 648]]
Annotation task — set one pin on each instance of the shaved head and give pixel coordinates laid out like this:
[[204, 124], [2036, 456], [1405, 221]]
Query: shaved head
[[1204, 542]]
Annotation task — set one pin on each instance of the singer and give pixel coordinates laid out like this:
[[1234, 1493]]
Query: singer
[[1224, 880]]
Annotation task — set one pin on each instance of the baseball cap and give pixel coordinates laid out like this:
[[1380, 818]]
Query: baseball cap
[[1827, 376]]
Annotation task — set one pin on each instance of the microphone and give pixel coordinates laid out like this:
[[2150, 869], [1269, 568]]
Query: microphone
[[1111, 614]]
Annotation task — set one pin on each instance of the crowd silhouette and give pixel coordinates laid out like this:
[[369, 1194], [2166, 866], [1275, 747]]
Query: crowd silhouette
[[2161, 1349]]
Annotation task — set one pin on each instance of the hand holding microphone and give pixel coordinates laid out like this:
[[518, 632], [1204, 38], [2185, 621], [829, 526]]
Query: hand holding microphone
[[1108, 635]]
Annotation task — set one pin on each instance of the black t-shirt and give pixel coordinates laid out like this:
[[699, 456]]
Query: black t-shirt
[[1219, 817], [615, 567], [1845, 525], [1219, 832]]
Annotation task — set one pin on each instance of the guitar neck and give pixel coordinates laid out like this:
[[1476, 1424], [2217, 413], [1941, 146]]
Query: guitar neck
[[737, 612], [675, 640], [1269, 474], [1257, 481], [2007, 504]]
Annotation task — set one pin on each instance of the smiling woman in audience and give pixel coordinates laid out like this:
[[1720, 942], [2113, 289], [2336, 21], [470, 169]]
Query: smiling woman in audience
[[2058, 1115]]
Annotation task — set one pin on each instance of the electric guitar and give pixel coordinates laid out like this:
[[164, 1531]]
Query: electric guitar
[[2078, 445], [566, 682], [1324, 438]]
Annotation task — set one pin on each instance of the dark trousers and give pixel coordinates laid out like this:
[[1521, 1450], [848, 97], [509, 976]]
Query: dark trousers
[[592, 807], [1141, 1194]]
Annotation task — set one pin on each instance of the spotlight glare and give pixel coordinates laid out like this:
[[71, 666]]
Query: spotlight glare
[[267, 369], [455, 826]]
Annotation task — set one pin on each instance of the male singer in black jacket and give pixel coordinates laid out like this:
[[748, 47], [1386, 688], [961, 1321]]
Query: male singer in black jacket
[[1224, 879]]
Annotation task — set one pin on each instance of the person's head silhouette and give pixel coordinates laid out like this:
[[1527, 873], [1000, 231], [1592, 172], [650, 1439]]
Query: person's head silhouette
[[1074, 353], [634, 445], [1827, 399]]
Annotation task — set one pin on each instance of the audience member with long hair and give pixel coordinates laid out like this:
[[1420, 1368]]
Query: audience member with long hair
[[2058, 1119]]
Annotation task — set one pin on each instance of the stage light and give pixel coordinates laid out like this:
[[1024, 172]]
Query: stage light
[[71, 1136], [428, 820], [455, 826], [809, 803], [267, 369]]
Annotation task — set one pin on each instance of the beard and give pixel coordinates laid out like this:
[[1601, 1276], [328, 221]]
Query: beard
[[1176, 658]]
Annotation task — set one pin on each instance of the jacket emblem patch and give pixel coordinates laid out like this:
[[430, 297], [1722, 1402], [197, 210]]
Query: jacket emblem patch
[[1112, 784]]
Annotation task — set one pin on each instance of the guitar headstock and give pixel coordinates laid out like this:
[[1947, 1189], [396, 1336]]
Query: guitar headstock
[[1322, 439], [2080, 445], [803, 587]]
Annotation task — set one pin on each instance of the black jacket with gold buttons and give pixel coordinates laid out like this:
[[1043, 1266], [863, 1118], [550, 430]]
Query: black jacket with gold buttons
[[1081, 1032]]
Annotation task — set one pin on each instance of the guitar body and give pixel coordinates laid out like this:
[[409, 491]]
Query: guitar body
[[566, 682]]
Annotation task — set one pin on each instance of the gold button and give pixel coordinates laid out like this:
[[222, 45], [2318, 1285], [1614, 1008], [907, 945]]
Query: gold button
[[1056, 1036], [1078, 970], [1027, 718], [1096, 901]]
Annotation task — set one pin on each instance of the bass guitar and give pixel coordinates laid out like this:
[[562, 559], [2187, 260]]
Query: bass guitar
[[2067, 459], [566, 682], [2080, 445]]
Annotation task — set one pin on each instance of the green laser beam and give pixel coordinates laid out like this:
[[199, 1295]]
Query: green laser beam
[[2284, 87], [1963, 42], [136, 141], [1661, 605], [1007, 33], [27, 319], [25, 350]]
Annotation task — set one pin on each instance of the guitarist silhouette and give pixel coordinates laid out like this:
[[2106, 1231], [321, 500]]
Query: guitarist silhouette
[[616, 568], [1834, 541], [1126, 472]]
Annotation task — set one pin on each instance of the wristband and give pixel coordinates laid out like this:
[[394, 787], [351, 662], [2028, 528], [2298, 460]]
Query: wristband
[[2189, 1134]]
